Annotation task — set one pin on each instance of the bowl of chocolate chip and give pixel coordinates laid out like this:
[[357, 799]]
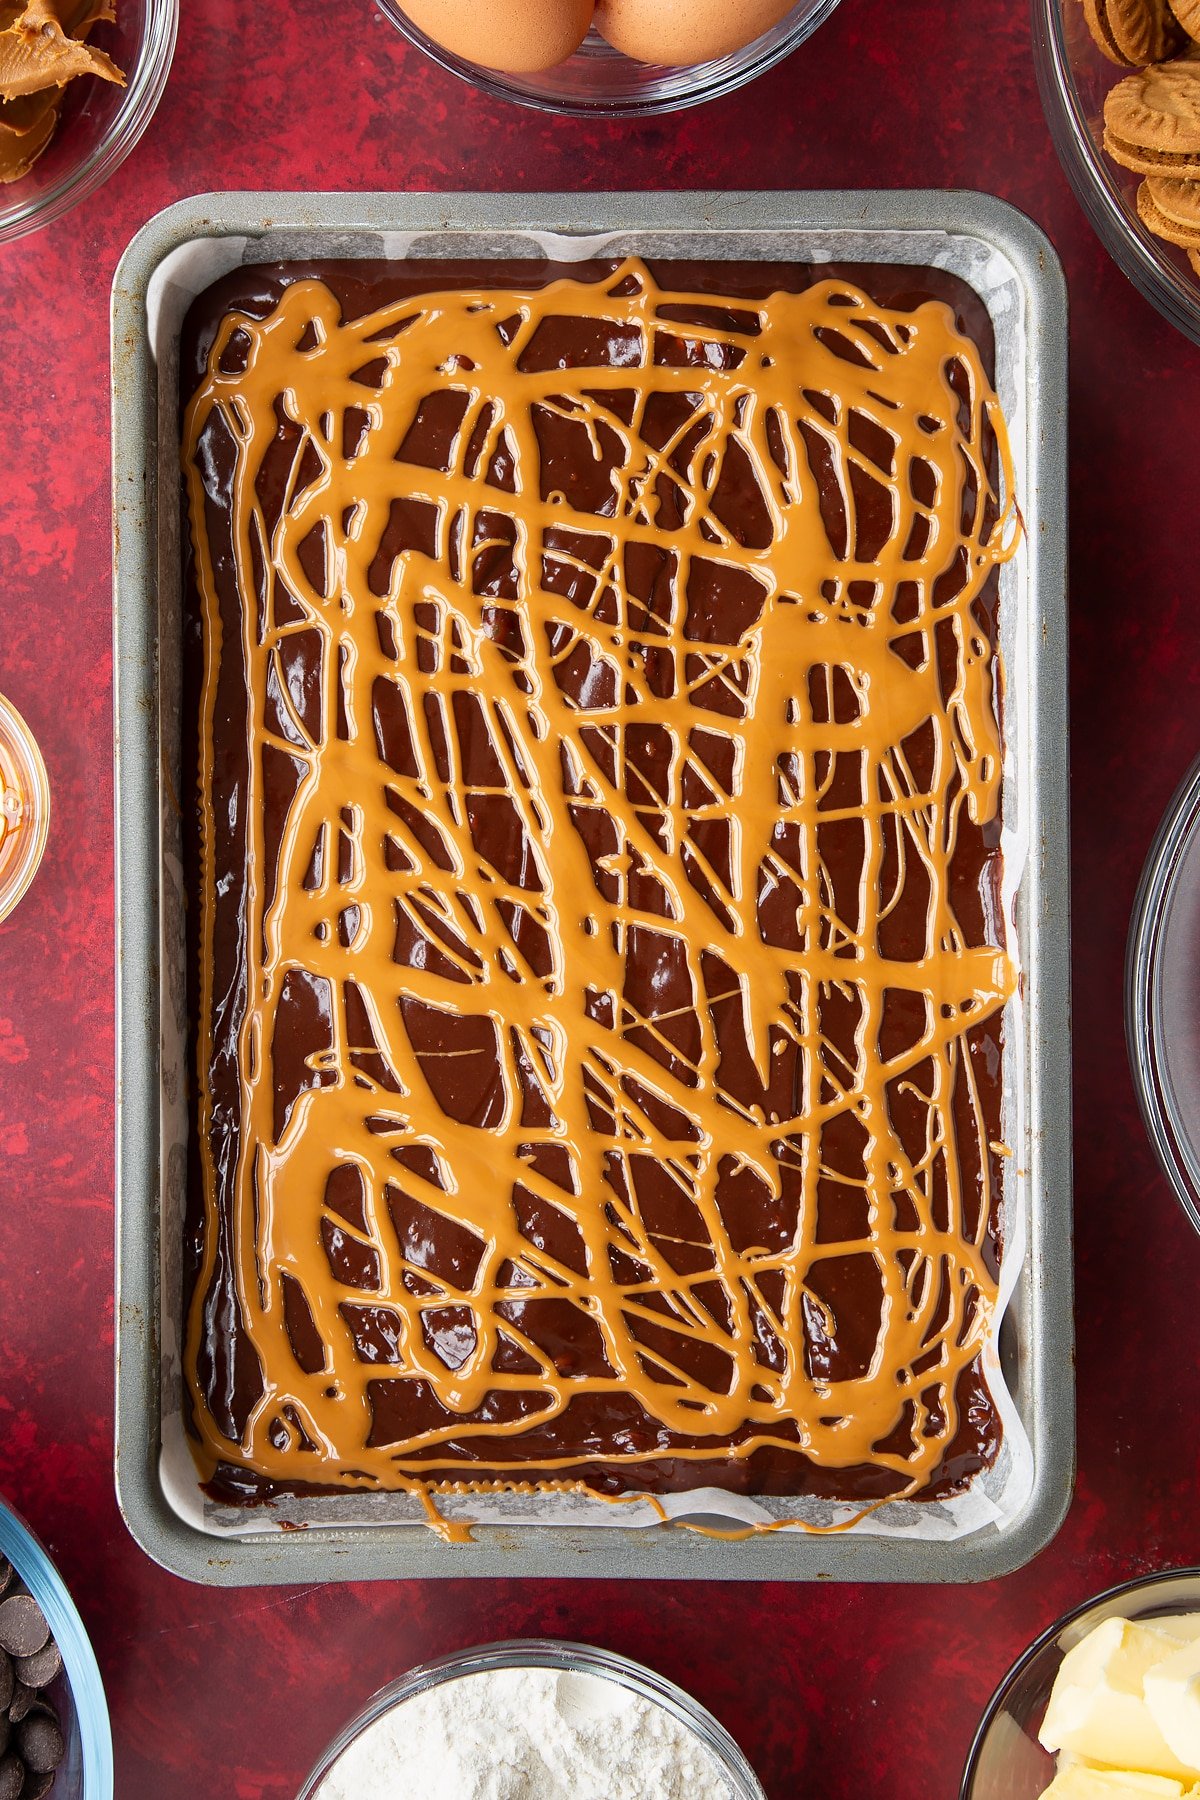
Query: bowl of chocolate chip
[[79, 83], [55, 1739]]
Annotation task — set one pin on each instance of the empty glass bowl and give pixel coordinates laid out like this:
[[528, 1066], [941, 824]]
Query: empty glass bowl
[[1074, 79], [548, 1653], [86, 1772], [100, 122], [1006, 1762], [1162, 993], [598, 80]]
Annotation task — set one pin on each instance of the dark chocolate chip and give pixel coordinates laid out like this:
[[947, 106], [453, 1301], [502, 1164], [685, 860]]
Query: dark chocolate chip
[[36, 1785], [23, 1628], [39, 1669], [5, 1732], [6, 1573], [7, 1680], [22, 1699], [40, 1742], [12, 1776]]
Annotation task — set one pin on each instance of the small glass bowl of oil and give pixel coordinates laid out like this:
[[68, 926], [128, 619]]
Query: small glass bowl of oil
[[24, 807]]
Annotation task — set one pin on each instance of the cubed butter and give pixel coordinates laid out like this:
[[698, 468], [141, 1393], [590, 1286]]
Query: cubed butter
[[1173, 1698], [1180, 1625], [1080, 1781], [1098, 1709]]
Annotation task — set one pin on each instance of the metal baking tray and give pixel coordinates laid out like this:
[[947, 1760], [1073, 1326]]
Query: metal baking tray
[[171, 259]]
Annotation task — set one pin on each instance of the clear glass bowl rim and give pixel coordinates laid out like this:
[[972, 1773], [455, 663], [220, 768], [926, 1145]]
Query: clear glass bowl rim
[[138, 104], [1127, 240], [686, 87], [551, 1653], [1147, 1053], [1137, 1584], [29, 1558]]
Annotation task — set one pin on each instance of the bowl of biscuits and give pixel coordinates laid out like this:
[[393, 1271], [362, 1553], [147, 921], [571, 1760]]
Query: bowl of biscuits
[[1120, 84]]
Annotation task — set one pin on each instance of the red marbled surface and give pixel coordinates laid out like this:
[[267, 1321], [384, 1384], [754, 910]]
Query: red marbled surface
[[840, 1691]]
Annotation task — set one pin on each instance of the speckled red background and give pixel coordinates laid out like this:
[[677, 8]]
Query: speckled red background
[[839, 1691]]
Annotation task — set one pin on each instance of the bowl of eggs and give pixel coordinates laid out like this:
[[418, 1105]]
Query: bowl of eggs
[[607, 58]]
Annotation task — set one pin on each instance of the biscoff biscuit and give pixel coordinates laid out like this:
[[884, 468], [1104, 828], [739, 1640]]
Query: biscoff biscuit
[[1155, 220], [1132, 33], [1157, 109], [1178, 201], [1188, 14], [1151, 162]]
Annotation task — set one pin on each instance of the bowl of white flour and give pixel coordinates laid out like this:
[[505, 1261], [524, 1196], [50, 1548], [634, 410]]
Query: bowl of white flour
[[533, 1720]]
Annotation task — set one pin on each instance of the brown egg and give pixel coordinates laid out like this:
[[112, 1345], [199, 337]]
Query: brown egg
[[685, 31], [515, 36]]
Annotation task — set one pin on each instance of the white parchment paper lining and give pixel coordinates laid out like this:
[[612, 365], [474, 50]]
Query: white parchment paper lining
[[998, 1495]]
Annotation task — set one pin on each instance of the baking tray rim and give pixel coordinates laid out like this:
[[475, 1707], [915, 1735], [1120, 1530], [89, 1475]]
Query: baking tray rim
[[398, 1551]]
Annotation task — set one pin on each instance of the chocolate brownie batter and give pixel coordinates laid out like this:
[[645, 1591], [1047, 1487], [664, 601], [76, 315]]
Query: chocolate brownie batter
[[598, 964]]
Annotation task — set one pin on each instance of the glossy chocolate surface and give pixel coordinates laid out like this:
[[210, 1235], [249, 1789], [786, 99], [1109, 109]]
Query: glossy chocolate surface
[[602, 1429]]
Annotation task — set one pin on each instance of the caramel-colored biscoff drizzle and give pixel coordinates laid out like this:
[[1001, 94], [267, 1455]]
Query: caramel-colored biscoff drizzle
[[371, 853]]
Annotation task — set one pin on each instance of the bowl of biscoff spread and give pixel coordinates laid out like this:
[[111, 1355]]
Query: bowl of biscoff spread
[[534, 1720], [79, 83]]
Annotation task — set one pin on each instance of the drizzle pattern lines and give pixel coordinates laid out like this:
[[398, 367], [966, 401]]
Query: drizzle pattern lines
[[620, 953]]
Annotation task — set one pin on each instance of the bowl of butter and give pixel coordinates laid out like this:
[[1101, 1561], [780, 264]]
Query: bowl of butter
[[1105, 1705]]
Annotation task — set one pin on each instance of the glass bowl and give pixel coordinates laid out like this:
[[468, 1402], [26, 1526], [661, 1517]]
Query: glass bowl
[[1006, 1762], [86, 1771], [24, 807], [1074, 79], [598, 80], [100, 122], [549, 1653], [1162, 993]]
